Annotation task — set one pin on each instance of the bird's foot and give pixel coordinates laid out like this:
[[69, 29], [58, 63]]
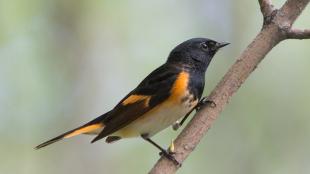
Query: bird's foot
[[169, 155], [205, 101]]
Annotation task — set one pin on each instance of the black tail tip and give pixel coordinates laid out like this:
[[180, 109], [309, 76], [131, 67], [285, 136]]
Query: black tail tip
[[38, 147], [48, 142], [94, 140], [41, 146]]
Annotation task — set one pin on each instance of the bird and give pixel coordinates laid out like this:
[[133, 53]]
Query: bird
[[167, 94]]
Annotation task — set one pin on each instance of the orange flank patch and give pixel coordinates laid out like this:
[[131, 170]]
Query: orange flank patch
[[135, 98], [83, 130], [179, 87]]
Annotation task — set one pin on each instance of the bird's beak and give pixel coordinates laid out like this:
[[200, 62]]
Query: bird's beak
[[221, 44]]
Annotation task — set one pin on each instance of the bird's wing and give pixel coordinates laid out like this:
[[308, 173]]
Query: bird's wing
[[153, 90]]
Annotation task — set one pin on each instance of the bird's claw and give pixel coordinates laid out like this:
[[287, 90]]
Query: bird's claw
[[205, 101], [170, 156]]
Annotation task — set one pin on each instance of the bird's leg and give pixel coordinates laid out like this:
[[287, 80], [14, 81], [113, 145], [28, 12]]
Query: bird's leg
[[163, 152], [178, 124], [202, 102]]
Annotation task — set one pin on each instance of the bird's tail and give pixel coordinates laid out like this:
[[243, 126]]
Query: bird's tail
[[88, 128]]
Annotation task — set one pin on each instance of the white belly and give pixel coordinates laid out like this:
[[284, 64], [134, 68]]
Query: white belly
[[157, 119]]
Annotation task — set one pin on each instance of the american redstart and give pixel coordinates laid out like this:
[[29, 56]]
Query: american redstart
[[166, 95]]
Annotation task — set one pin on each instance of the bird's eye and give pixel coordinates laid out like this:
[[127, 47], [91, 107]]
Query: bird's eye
[[204, 46]]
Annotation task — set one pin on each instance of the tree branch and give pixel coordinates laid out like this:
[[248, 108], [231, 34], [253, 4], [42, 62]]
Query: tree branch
[[266, 7], [298, 34], [276, 30]]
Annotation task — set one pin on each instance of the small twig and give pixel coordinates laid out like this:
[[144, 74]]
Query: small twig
[[266, 7], [298, 34]]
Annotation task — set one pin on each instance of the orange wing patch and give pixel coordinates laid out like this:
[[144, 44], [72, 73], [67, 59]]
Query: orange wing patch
[[179, 87], [135, 98], [84, 130]]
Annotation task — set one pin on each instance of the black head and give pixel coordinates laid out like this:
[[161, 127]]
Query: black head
[[196, 53]]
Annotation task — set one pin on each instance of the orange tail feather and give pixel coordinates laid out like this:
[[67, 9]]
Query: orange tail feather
[[80, 130]]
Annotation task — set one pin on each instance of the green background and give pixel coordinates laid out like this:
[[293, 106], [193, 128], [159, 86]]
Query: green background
[[63, 63]]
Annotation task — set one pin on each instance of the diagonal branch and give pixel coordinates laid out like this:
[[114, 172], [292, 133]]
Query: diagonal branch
[[271, 34], [298, 34], [266, 7], [290, 11]]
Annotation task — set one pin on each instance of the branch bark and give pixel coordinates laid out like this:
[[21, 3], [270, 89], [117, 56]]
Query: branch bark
[[298, 34], [266, 7], [277, 27]]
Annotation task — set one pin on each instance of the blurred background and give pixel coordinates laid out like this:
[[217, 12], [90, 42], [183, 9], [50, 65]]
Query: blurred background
[[63, 63]]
